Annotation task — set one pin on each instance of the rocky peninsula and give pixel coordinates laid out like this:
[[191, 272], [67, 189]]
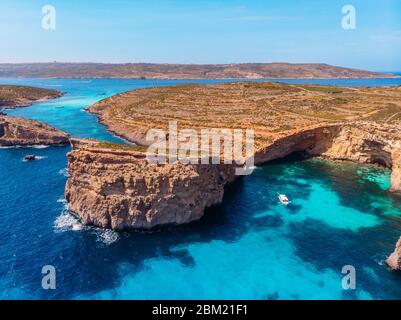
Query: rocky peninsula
[[114, 186]]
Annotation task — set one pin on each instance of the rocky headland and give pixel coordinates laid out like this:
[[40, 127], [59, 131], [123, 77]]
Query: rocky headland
[[114, 186], [117, 187], [15, 131]]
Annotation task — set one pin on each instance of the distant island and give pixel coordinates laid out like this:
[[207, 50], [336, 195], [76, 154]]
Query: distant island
[[184, 71]]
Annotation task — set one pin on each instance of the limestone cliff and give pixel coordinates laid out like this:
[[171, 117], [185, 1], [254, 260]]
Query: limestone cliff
[[370, 143], [119, 189], [110, 187], [15, 131], [396, 174], [363, 142]]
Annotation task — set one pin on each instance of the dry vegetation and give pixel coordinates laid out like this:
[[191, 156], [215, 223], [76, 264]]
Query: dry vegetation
[[270, 109]]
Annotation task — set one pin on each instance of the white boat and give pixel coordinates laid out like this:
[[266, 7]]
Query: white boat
[[283, 199]]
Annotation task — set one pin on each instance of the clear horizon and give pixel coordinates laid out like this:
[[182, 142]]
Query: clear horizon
[[211, 32]]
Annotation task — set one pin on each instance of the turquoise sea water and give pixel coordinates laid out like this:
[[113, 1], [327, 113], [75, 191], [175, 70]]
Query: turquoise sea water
[[250, 247]]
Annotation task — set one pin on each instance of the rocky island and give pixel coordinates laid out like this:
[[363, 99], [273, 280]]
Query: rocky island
[[114, 186], [16, 131], [12, 97]]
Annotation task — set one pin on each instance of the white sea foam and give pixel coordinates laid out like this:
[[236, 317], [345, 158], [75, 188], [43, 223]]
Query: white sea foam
[[63, 172], [64, 202], [106, 236], [41, 146], [67, 222]]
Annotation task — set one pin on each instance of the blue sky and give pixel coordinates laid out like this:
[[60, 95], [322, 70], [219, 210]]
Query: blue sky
[[204, 31]]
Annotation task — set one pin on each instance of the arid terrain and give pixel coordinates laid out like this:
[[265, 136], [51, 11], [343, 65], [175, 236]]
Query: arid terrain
[[114, 186], [22, 96], [16, 131], [183, 71], [271, 109]]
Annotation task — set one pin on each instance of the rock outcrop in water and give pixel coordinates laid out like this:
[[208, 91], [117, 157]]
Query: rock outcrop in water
[[119, 189], [15, 131], [394, 260], [12, 96]]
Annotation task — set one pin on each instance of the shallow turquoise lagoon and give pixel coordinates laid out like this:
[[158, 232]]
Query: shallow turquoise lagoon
[[250, 247]]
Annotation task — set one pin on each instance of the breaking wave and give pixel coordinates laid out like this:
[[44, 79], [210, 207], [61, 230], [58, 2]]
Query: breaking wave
[[68, 222], [63, 172]]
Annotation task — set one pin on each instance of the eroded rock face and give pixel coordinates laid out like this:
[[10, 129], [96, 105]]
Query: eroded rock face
[[370, 143], [366, 143], [15, 131], [115, 188], [394, 260], [396, 173], [119, 189]]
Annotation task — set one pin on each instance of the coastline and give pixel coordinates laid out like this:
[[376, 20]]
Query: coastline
[[390, 76], [220, 223], [358, 141]]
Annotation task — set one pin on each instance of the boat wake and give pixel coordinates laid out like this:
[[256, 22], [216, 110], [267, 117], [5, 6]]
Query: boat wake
[[36, 158], [25, 147]]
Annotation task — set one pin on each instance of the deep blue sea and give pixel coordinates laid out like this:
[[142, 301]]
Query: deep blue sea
[[250, 247]]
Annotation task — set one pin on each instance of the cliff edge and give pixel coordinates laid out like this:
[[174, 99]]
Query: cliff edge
[[115, 186]]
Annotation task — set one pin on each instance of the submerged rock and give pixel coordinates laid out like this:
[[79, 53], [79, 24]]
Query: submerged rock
[[15, 131], [394, 260]]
